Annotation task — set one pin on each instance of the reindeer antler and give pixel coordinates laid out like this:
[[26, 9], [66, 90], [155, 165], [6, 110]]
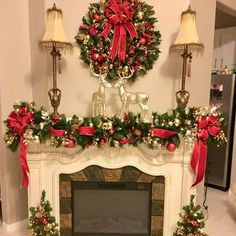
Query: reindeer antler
[[100, 76], [121, 76], [103, 75]]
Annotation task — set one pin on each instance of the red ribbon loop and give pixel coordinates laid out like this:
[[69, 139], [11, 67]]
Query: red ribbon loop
[[57, 133], [86, 130], [162, 133], [206, 126], [18, 121], [119, 15]]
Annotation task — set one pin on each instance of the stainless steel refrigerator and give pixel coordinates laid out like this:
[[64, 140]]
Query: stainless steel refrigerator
[[223, 91]]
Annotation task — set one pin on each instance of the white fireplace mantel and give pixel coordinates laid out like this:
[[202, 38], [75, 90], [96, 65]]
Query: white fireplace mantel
[[46, 164]]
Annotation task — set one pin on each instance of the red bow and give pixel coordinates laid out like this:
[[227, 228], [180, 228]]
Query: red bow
[[119, 15], [18, 122], [206, 127]]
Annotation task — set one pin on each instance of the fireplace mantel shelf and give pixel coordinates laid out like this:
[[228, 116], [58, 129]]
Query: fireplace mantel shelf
[[46, 164]]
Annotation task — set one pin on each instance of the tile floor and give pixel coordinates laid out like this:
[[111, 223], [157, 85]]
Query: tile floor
[[222, 214], [221, 222]]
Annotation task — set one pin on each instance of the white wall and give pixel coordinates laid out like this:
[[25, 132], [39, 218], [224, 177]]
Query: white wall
[[77, 85], [160, 83], [15, 83]]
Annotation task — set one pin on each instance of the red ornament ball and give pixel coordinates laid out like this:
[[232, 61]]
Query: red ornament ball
[[36, 221], [102, 141], [101, 57], [71, 143], [96, 17], [55, 117], [45, 221], [111, 131], [95, 56], [142, 41], [171, 147], [194, 223]]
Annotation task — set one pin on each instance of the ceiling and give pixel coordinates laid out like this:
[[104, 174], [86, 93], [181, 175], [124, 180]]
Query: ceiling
[[224, 20]]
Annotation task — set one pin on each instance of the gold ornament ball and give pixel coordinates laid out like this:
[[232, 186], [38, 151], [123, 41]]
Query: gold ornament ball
[[86, 39], [48, 227], [126, 69], [38, 214], [140, 15], [102, 2], [102, 5], [99, 45], [105, 65]]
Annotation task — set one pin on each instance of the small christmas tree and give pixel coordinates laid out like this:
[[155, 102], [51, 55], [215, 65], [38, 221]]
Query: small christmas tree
[[40, 221], [192, 221]]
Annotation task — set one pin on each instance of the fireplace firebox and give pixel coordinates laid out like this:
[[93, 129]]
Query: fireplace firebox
[[111, 208]]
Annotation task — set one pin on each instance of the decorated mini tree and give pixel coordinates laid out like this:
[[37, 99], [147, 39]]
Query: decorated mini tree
[[41, 222], [192, 221]]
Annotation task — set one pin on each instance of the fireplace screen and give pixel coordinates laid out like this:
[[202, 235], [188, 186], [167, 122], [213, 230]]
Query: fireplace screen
[[111, 208]]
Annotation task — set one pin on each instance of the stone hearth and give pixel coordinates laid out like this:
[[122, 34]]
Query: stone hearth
[[125, 174], [47, 164]]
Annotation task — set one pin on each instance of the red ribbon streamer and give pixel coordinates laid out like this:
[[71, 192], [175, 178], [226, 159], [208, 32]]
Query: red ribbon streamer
[[119, 15], [18, 121], [206, 126], [57, 133], [23, 163], [125, 140], [86, 130], [162, 133]]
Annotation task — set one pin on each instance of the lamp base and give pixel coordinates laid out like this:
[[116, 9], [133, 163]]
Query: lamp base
[[55, 98], [182, 98]]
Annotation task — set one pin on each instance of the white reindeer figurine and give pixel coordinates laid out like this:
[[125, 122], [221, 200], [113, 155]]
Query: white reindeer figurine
[[128, 98], [99, 98]]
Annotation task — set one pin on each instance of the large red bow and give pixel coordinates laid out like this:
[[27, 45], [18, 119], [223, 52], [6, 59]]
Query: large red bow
[[206, 127], [119, 15], [18, 122]]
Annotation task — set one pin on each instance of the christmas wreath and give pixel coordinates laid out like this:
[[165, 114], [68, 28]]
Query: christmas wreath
[[118, 36]]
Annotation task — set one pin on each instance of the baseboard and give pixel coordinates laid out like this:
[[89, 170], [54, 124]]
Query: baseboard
[[232, 198], [9, 228]]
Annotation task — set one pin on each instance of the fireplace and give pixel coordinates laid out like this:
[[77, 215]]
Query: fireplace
[[109, 202], [169, 174]]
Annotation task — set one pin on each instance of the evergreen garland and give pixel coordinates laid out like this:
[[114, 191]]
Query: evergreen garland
[[41, 222], [115, 131]]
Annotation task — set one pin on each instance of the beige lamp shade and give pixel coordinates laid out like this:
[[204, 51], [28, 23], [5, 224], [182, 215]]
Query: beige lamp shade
[[187, 35], [54, 34]]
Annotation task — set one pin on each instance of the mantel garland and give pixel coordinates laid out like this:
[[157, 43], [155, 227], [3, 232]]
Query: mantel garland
[[27, 123], [118, 36]]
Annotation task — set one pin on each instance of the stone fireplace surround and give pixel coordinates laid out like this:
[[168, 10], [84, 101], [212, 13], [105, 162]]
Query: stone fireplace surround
[[46, 165], [125, 174]]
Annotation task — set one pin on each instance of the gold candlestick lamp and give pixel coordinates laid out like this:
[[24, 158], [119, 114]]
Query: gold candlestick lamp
[[55, 42], [186, 44]]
